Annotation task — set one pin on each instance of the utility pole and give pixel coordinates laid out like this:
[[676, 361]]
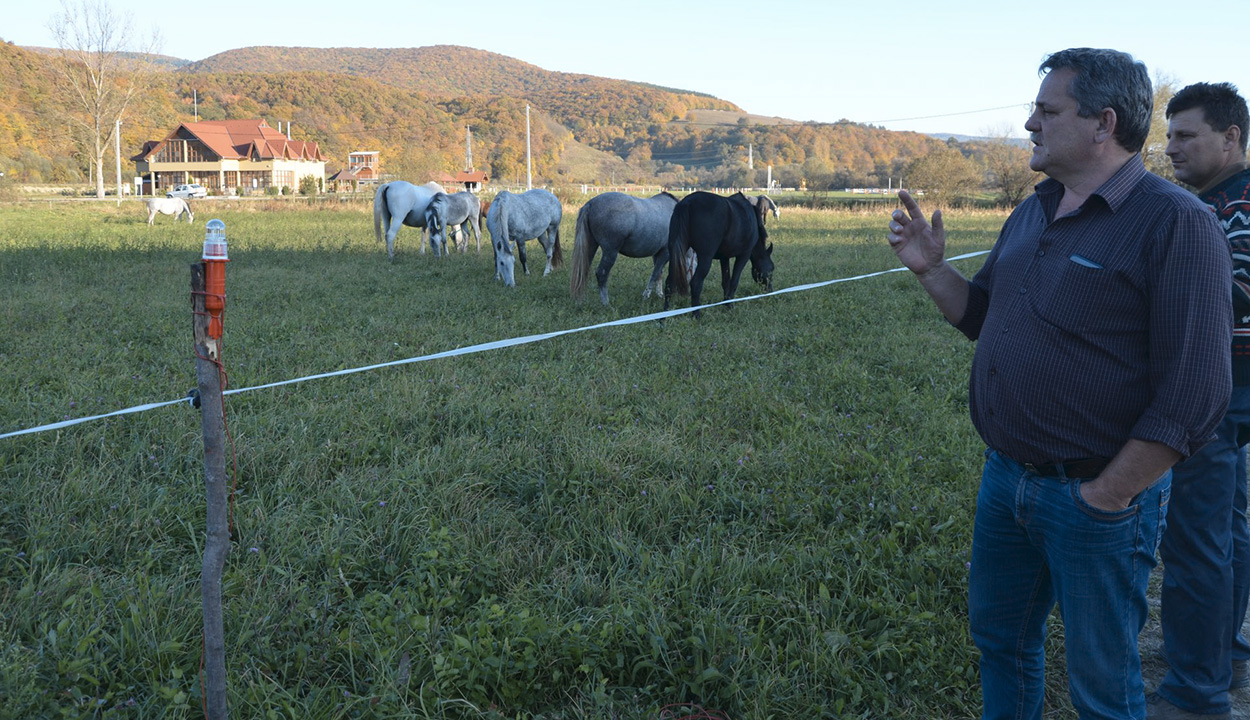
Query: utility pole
[[529, 175], [195, 97], [117, 151], [751, 156], [468, 148]]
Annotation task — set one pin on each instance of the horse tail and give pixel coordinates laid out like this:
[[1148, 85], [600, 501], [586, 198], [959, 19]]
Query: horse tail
[[503, 224], [557, 258], [379, 207], [678, 275], [581, 255]]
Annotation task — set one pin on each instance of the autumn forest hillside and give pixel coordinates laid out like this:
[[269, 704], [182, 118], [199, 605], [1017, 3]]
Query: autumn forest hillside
[[414, 104]]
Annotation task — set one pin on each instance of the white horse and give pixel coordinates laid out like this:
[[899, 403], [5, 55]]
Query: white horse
[[168, 206], [516, 218], [401, 202]]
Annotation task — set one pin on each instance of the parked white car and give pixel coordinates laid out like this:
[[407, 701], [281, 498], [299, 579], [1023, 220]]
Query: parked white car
[[193, 190]]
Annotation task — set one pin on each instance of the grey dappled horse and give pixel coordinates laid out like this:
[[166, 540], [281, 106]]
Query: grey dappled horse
[[168, 206], [401, 202], [514, 218], [452, 211], [765, 204], [620, 224], [717, 228]]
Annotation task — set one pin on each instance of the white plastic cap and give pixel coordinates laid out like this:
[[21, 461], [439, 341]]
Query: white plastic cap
[[215, 241]]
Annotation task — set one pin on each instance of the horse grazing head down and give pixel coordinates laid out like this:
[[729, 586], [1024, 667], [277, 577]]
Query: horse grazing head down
[[762, 265], [762, 253]]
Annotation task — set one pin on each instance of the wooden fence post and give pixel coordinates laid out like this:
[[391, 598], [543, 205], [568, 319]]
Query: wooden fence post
[[217, 543]]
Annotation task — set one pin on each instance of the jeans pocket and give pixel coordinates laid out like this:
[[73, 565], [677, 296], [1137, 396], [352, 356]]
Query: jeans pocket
[[1074, 488]]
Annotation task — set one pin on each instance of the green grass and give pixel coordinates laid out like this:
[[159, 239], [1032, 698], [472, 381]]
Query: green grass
[[766, 512]]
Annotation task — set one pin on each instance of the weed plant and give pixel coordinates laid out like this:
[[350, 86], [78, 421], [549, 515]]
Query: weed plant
[[765, 512]]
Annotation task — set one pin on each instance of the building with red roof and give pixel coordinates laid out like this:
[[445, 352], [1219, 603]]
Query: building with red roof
[[223, 155]]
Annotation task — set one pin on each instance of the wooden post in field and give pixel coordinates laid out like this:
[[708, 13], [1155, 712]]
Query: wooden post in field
[[217, 544]]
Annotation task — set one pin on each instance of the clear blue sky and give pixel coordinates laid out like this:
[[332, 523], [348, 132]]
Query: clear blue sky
[[823, 60]]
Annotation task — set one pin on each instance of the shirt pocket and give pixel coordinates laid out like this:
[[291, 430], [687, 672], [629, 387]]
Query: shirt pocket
[[1089, 297]]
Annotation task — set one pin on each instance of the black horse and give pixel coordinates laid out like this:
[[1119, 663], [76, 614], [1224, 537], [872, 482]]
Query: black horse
[[721, 228]]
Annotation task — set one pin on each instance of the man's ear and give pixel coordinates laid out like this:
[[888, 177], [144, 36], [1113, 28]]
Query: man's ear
[[1105, 130], [1232, 138]]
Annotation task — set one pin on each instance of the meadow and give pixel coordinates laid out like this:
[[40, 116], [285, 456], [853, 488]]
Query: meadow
[[765, 512]]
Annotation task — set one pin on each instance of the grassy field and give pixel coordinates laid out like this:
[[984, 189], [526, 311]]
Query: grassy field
[[766, 512]]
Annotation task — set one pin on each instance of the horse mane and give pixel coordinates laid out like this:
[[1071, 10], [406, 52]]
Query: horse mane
[[665, 192]]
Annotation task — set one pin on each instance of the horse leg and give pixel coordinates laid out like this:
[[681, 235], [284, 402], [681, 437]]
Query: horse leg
[[660, 260], [520, 251], [462, 239], [475, 223], [548, 241], [391, 232], [732, 287], [424, 239], [604, 269]]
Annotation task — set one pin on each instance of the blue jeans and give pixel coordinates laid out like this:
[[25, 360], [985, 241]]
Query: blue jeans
[[1036, 542], [1206, 567]]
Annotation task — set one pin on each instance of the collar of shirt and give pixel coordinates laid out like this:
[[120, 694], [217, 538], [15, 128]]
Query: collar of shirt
[[1114, 192]]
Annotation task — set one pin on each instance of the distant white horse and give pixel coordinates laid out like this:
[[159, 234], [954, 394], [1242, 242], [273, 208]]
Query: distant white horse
[[168, 206]]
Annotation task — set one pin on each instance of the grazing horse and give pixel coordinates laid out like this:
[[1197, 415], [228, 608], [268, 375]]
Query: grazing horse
[[720, 228], [168, 206], [447, 211], [517, 218], [397, 202], [620, 224], [765, 203]]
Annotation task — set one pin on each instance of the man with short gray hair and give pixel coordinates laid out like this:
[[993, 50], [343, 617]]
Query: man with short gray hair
[[1102, 318]]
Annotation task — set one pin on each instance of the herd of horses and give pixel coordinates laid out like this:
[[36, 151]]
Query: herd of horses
[[687, 234]]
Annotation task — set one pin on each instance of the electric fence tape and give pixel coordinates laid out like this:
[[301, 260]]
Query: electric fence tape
[[472, 349]]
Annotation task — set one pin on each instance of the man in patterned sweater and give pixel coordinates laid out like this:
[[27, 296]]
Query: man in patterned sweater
[[1206, 547]]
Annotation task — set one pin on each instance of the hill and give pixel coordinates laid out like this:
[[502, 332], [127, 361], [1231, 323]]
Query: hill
[[414, 104], [599, 111]]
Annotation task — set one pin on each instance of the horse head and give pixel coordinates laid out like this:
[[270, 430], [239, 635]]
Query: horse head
[[762, 253], [434, 223], [497, 226], [762, 264]]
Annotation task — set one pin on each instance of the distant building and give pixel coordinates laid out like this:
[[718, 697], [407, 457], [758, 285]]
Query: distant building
[[447, 180], [472, 180], [363, 168], [223, 155]]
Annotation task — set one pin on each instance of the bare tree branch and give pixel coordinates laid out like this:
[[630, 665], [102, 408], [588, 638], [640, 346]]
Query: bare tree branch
[[102, 71]]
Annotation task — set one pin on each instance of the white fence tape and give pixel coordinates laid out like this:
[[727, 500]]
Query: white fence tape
[[471, 349]]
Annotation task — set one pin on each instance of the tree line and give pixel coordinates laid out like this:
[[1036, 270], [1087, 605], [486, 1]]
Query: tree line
[[414, 107]]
